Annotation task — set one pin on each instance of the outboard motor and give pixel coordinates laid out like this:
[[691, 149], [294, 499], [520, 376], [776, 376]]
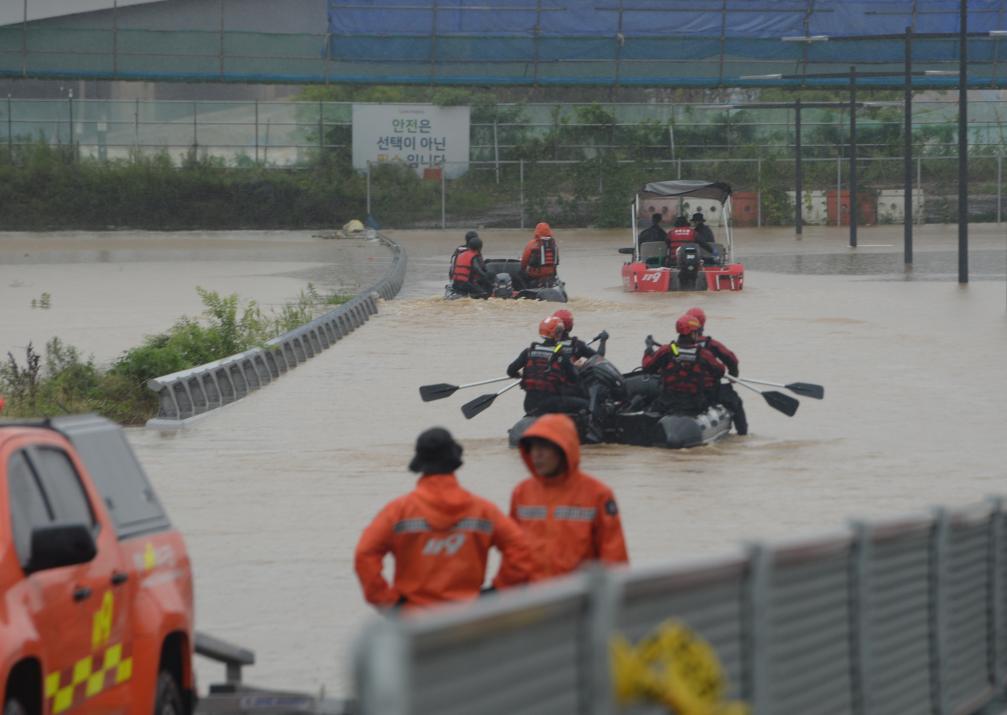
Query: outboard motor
[[504, 287]]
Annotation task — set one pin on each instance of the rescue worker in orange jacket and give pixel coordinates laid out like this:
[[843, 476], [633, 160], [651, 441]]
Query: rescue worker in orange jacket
[[717, 391], [548, 376], [439, 535], [468, 272], [685, 368], [570, 517], [679, 235], [459, 251], [540, 257]]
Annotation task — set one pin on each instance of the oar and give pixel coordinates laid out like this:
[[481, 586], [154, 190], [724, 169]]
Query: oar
[[806, 389], [777, 400], [474, 407], [429, 393]]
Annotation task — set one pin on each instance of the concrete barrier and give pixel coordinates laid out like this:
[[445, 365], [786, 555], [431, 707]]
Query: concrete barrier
[[187, 393]]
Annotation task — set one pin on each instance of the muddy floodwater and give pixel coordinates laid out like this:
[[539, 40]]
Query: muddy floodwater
[[272, 491]]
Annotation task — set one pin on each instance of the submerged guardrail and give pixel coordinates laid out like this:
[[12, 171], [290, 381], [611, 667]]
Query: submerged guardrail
[[187, 393], [885, 618]]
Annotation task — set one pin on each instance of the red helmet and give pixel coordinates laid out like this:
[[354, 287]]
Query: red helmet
[[699, 314], [687, 324], [551, 327], [566, 316]]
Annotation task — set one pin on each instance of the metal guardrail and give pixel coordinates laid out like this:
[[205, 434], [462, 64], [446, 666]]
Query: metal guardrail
[[886, 618], [192, 392]]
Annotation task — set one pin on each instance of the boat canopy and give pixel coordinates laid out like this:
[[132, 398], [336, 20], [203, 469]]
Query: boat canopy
[[717, 190]]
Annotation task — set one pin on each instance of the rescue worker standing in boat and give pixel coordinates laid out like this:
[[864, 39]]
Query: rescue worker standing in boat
[[685, 367], [717, 391], [570, 517], [548, 376], [439, 535], [679, 235], [540, 257], [468, 273]]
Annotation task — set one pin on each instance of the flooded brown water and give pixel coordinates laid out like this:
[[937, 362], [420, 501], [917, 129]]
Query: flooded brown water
[[273, 491]]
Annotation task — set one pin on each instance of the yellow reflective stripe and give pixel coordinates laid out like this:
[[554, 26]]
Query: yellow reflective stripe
[[125, 671], [112, 656], [64, 699], [95, 683], [674, 349], [81, 670]]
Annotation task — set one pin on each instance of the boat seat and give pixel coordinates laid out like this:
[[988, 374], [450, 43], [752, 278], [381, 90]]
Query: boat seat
[[653, 253]]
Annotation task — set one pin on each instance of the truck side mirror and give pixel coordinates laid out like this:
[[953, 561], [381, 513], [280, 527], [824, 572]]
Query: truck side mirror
[[62, 545]]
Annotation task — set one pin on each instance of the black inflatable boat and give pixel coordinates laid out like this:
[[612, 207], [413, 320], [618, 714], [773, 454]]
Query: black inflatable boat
[[510, 284]]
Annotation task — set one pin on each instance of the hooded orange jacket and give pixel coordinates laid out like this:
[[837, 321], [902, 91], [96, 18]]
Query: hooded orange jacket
[[439, 535], [569, 519], [548, 269]]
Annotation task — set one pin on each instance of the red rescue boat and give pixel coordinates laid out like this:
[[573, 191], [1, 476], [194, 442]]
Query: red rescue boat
[[673, 265]]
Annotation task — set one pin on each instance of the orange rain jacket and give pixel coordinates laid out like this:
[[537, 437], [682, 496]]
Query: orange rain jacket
[[439, 535], [569, 519], [540, 266]]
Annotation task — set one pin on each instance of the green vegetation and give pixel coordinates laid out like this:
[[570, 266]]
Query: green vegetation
[[61, 381]]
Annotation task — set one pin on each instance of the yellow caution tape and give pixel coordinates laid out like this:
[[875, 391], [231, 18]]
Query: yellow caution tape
[[675, 668]]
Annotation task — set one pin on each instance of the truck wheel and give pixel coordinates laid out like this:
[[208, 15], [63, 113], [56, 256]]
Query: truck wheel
[[14, 707], [169, 701]]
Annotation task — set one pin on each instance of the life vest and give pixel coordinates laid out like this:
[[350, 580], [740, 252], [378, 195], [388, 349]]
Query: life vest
[[545, 255], [683, 371], [454, 257], [682, 234], [540, 374], [461, 269]]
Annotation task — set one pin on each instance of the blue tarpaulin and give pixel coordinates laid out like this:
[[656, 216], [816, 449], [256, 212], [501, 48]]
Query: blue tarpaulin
[[654, 42]]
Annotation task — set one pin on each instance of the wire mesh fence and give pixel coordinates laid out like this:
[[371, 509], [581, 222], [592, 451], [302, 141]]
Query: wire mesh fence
[[573, 164]]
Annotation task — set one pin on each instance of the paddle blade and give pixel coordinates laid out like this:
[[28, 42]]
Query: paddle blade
[[429, 393], [807, 389], [784, 403], [474, 407]]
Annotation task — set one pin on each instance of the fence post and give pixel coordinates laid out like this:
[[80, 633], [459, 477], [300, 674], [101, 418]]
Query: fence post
[[760, 566], [10, 130], [321, 129], [136, 125], [444, 191], [839, 191], [521, 190], [1000, 186], [24, 41], [70, 108], [496, 150], [758, 194], [996, 593], [939, 583], [368, 188], [256, 131], [860, 615], [195, 127]]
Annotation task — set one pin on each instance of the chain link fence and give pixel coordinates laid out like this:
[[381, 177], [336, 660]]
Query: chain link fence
[[575, 165]]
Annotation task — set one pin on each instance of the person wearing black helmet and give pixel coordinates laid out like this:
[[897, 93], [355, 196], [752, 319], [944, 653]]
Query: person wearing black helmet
[[468, 272], [461, 249], [704, 237]]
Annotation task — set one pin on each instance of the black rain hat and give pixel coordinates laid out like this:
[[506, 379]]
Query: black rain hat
[[436, 452]]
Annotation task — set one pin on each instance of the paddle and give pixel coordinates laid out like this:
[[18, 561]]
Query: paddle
[[806, 389], [474, 407], [777, 400], [429, 393]]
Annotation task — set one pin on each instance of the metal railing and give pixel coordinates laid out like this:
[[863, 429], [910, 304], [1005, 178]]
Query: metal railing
[[886, 618], [187, 393]]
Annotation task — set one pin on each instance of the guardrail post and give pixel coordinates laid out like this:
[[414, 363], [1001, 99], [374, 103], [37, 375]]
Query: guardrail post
[[860, 625], [760, 568], [939, 584], [604, 599], [382, 671], [996, 596]]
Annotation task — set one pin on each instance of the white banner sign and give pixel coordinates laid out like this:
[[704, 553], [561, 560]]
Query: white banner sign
[[421, 135]]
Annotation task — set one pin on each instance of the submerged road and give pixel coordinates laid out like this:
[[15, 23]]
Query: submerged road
[[272, 491]]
